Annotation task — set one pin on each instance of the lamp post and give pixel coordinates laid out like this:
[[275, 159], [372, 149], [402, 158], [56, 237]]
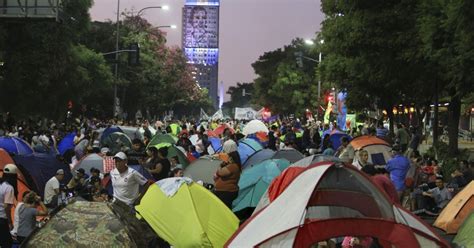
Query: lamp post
[[310, 43], [168, 26], [164, 7]]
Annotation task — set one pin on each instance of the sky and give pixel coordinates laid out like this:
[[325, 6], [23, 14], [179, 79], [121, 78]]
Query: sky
[[248, 28]]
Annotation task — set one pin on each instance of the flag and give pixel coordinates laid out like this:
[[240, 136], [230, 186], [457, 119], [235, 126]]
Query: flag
[[328, 112], [203, 115], [218, 115], [109, 164]]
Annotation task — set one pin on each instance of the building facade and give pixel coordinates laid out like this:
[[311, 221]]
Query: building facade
[[200, 42]]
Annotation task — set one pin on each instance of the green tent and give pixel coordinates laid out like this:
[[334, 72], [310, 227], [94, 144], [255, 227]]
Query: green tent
[[465, 236], [174, 151], [162, 138]]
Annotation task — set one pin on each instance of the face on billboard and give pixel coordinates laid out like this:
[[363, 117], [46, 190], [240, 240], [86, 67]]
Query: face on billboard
[[201, 27]]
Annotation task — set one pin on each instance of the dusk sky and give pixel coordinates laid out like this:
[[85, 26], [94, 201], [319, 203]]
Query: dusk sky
[[248, 28]]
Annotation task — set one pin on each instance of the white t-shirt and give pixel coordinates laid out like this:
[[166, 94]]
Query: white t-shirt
[[7, 195], [126, 185], [49, 193]]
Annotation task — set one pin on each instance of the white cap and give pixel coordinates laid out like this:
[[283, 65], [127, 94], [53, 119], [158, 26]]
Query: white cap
[[229, 146], [10, 169], [121, 156], [104, 150]]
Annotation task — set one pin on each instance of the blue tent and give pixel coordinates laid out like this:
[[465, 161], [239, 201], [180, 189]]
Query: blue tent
[[38, 168], [66, 143], [216, 144], [139, 168], [336, 139], [258, 157], [289, 154], [15, 145], [108, 131], [247, 147], [255, 181]]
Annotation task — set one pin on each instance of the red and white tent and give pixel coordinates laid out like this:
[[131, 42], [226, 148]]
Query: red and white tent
[[328, 200]]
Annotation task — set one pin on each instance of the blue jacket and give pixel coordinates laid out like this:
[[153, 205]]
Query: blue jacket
[[398, 167]]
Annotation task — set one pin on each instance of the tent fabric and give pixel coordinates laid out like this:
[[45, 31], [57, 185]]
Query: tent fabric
[[117, 142], [220, 129], [457, 210], [336, 139], [255, 126], [38, 168], [216, 144], [255, 181], [465, 236], [15, 145], [246, 148], [316, 194], [378, 149], [203, 169], [90, 161], [66, 143], [82, 224], [135, 132], [258, 157], [162, 138], [289, 154], [106, 132], [193, 217]]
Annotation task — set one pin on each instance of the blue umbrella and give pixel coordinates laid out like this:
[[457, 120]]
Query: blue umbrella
[[66, 143], [255, 181], [246, 148], [15, 145]]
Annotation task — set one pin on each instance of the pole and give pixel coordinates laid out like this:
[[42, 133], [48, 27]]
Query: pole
[[116, 57], [319, 80]]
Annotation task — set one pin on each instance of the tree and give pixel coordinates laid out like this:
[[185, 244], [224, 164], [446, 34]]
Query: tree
[[237, 97]]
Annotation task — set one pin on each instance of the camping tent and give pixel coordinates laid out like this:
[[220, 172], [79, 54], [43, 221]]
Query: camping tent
[[90, 161], [203, 169], [457, 210], [246, 148], [255, 181], [66, 143], [105, 132], [117, 142], [254, 126], [192, 217], [38, 168], [331, 200], [335, 138], [162, 138], [83, 224], [258, 157], [289, 154], [465, 236], [15, 145], [378, 149]]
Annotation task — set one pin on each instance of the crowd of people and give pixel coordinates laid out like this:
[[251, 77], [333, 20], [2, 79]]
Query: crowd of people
[[407, 175]]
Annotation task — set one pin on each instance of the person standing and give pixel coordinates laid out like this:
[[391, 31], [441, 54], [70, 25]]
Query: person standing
[[7, 198], [227, 177], [52, 191], [398, 168], [402, 137]]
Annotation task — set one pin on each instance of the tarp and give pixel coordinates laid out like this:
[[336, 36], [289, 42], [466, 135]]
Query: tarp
[[38, 168], [329, 200], [203, 169], [465, 236], [246, 148], [193, 217], [457, 210], [66, 143], [258, 157], [15, 145], [289, 154], [82, 224], [255, 181]]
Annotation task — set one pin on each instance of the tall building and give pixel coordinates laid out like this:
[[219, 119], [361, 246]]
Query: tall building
[[200, 40]]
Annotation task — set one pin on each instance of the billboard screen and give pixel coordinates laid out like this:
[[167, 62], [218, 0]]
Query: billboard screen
[[200, 26]]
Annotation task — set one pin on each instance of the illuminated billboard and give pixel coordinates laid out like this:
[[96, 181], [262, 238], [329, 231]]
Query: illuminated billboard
[[200, 26]]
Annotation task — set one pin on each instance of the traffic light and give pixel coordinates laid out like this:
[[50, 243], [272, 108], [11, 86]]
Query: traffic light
[[134, 54], [299, 59]]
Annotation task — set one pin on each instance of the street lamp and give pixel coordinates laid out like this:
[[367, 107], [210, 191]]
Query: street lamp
[[310, 43], [164, 7], [168, 26]]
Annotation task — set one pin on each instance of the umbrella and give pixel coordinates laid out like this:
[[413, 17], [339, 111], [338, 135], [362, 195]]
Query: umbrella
[[258, 157], [106, 132], [246, 148], [255, 181], [116, 142], [15, 145], [220, 129], [162, 138], [192, 217], [83, 224], [66, 143], [289, 154], [203, 169], [91, 161], [254, 126]]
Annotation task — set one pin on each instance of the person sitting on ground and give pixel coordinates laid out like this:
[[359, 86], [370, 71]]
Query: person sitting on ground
[[177, 172], [345, 151], [158, 165], [52, 191], [27, 215], [93, 183], [328, 151], [77, 183], [16, 216], [432, 201]]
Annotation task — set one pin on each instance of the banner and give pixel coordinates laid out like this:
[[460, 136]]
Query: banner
[[218, 115], [245, 114], [203, 115]]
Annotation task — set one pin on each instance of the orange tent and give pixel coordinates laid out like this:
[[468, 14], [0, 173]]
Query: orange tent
[[22, 186], [457, 210], [378, 149]]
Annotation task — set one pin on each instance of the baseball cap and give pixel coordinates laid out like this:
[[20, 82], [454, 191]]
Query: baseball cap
[[10, 169], [60, 172], [121, 156]]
